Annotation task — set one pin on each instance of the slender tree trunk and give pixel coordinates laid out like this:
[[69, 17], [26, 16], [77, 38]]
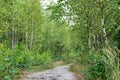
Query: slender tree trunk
[[17, 35], [32, 35], [26, 41], [94, 46], [103, 32], [13, 29], [88, 32], [98, 44], [12, 41], [31, 42]]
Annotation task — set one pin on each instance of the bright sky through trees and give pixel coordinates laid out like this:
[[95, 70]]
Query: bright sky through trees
[[45, 3]]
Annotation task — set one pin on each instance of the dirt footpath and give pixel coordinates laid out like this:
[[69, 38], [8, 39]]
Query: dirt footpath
[[57, 73]]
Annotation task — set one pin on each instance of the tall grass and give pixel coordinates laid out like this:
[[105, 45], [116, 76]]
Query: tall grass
[[99, 65], [112, 63]]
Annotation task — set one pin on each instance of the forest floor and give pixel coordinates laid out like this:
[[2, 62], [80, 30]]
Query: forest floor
[[57, 73]]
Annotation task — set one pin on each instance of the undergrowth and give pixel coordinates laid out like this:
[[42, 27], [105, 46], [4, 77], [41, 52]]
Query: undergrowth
[[12, 61], [98, 65]]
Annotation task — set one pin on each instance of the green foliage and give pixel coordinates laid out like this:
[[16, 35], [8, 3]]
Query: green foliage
[[117, 38], [43, 59], [112, 60], [78, 31], [96, 68], [95, 25], [101, 65], [12, 60], [70, 57], [7, 67]]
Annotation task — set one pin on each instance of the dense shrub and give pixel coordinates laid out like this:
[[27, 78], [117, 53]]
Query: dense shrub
[[8, 68], [95, 66], [12, 60], [102, 65], [43, 59], [70, 56]]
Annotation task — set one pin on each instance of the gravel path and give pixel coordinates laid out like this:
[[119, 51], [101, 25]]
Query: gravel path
[[57, 73]]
